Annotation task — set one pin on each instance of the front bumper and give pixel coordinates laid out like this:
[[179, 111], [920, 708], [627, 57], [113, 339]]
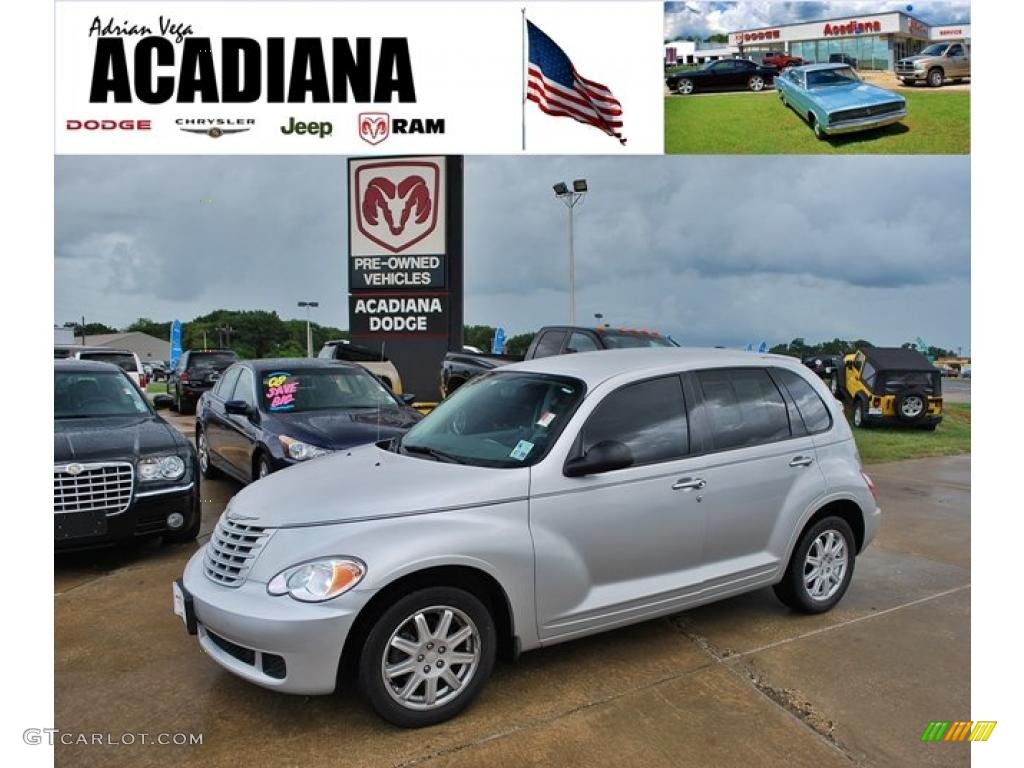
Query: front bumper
[[145, 517], [306, 638], [864, 123]]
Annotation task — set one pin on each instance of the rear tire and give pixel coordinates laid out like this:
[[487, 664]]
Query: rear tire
[[403, 697], [820, 569], [860, 414]]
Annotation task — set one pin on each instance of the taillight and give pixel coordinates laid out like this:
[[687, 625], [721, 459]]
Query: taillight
[[871, 485], [143, 381], [184, 377]]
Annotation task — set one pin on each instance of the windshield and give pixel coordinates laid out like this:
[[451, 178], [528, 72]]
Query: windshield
[[935, 50], [823, 78], [299, 391], [90, 395], [614, 340], [123, 360], [497, 420]]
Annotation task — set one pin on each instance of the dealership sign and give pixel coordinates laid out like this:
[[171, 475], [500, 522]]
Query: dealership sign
[[851, 28], [405, 261]]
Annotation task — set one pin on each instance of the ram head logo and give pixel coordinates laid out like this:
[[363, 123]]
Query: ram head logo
[[397, 206], [374, 127]]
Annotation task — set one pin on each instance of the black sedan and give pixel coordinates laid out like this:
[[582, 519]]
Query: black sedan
[[265, 415], [120, 472], [722, 75]]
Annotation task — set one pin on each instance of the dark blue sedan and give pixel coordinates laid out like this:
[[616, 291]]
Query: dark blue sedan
[[265, 415]]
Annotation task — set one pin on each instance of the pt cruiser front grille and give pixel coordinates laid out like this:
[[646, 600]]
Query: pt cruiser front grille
[[232, 550], [105, 487], [862, 112]]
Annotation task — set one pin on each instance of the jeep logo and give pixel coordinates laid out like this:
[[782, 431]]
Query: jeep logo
[[321, 130]]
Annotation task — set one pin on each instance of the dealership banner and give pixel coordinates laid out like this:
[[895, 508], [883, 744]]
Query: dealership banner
[[341, 77]]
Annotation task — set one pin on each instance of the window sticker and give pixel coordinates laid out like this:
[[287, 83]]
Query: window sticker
[[546, 419], [522, 450], [279, 390]]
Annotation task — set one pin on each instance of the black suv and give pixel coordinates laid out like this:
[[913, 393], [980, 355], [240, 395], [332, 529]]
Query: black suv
[[196, 372]]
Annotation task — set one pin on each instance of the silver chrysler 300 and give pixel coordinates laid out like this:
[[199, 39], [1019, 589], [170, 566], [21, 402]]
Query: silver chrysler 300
[[543, 502]]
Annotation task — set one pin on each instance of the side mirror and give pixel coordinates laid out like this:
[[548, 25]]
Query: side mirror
[[162, 401], [602, 457], [237, 408], [408, 398]]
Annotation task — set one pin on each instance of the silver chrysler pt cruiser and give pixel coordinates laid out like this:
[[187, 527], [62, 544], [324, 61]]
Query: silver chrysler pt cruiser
[[543, 502]]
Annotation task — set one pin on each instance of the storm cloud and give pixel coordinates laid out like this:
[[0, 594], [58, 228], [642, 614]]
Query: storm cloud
[[713, 250]]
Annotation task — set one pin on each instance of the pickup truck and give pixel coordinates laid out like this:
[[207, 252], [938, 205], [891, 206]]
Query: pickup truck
[[780, 60], [460, 367], [936, 64]]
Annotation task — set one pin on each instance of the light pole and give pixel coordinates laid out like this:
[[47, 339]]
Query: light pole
[[309, 330], [571, 197]]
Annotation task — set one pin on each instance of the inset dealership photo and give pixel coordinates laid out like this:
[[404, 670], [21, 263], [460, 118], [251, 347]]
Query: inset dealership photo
[[805, 78]]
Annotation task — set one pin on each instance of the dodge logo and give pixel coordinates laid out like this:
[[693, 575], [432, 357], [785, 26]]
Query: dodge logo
[[374, 127], [396, 203]]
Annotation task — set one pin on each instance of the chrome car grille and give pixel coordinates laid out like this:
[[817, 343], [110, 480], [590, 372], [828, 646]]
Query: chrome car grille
[[904, 68], [105, 487], [232, 549], [862, 112]]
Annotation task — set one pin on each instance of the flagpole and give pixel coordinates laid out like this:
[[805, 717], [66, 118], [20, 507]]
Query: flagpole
[[522, 72]]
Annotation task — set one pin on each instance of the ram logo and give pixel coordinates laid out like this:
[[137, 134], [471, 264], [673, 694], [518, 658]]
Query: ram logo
[[396, 202], [374, 127]]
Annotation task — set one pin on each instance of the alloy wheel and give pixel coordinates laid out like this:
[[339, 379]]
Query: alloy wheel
[[684, 87], [912, 406], [825, 565], [204, 455], [431, 657], [756, 83]]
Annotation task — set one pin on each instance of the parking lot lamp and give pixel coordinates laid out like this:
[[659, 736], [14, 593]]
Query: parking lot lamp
[[309, 330], [570, 197]]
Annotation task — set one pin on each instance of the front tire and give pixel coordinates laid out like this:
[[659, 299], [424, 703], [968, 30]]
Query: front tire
[[263, 468], [684, 87], [756, 83], [816, 127], [935, 77], [821, 568], [428, 656]]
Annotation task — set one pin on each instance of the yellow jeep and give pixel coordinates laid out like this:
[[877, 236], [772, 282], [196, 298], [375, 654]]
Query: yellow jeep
[[885, 384]]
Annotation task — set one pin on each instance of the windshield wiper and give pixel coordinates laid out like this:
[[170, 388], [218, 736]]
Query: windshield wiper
[[436, 454]]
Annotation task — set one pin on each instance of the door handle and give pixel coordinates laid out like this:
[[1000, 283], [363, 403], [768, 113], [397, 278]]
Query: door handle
[[801, 461], [689, 483]]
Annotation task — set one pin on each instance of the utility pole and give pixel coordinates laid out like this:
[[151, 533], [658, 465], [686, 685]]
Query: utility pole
[[309, 330]]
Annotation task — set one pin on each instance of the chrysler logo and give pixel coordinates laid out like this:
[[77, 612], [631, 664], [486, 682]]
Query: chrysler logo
[[75, 469]]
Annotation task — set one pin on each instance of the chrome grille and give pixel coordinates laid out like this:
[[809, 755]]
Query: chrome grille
[[232, 549], [861, 112], [104, 487]]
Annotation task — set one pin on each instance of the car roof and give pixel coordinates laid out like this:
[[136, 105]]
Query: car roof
[[71, 365], [277, 363], [819, 67], [594, 368]]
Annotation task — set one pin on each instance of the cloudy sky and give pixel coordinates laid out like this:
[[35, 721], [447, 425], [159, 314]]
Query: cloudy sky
[[714, 250], [694, 17]]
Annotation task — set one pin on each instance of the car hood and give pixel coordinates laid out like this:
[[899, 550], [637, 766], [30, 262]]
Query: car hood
[[118, 437], [343, 429], [912, 59], [368, 482], [852, 96]]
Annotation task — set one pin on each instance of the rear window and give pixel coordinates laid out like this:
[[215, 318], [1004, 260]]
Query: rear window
[[613, 340], [897, 382], [215, 361], [550, 343], [123, 360]]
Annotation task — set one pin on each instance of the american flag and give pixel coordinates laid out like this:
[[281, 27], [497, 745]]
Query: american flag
[[558, 89]]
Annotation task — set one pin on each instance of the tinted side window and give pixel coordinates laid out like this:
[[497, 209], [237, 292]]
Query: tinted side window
[[649, 417], [243, 389], [744, 407], [582, 342], [550, 344], [226, 385], [812, 408]]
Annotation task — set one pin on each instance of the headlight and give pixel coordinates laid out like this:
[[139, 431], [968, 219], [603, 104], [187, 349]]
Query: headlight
[[318, 580], [918, 65], [161, 468], [300, 451]]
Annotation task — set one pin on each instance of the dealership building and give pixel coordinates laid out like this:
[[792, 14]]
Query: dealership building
[[874, 41]]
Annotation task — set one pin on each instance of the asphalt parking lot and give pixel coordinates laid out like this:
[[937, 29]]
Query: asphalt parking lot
[[729, 684]]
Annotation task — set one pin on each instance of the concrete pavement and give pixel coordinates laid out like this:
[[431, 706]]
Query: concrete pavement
[[734, 683]]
